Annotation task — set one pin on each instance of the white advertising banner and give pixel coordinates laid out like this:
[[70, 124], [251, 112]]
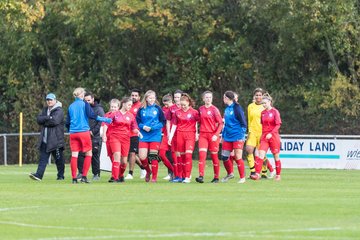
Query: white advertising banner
[[105, 162], [319, 153]]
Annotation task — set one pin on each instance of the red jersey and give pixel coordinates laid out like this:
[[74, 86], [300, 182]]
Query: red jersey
[[170, 115], [134, 109], [108, 115], [186, 121], [122, 124], [210, 120], [270, 120]]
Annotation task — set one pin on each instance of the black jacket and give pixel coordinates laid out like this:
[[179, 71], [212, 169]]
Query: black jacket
[[55, 127], [95, 125]]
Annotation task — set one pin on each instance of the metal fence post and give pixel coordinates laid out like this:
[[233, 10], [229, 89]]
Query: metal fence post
[[5, 151]]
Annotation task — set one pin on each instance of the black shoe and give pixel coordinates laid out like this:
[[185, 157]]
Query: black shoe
[[111, 179], [200, 179], [264, 176], [120, 180], [252, 174], [84, 180], [60, 178], [74, 181], [35, 177], [215, 180], [79, 176]]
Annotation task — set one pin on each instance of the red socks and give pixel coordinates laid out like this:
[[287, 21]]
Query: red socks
[[269, 166], [154, 169], [215, 161], [202, 161], [231, 163], [241, 167], [278, 167], [258, 164], [228, 166], [165, 160], [122, 169], [181, 170], [176, 165], [115, 170], [188, 164], [73, 166], [86, 166], [145, 164]]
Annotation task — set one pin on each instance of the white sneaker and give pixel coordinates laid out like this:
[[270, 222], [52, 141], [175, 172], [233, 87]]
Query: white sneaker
[[129, 177], [142, 173], [242, 180], [186, 180], [227, 177], [167, 177], [272, 174]]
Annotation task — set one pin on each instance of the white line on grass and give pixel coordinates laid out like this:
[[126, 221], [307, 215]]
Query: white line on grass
[[153, 234], [202, 234], [99, 203], [18, 208], [72, 228]]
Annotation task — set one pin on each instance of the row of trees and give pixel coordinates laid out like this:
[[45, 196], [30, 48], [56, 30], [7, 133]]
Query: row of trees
[[306, 53]]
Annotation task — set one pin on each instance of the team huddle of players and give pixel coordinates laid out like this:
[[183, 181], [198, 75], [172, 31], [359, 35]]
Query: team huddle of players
[[155, 134]]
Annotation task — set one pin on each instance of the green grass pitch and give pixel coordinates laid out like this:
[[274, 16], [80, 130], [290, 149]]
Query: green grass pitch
[[306, 204]]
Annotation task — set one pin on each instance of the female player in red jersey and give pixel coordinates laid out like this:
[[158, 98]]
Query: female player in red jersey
[[114, 106], [123, 122], [211, 125], [185, 124], [164, 146], [177, 162], [151, 120], [270, 138]]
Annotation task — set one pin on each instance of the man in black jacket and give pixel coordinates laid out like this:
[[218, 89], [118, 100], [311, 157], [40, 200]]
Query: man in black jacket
[[51, 140], [95, 138]]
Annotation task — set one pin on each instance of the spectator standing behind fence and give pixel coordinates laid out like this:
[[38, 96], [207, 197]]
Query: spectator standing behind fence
[[80, 141], [95, 138], [51, 140]]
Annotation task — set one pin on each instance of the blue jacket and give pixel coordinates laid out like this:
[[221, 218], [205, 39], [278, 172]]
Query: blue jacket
[[151, 116], [79, 113], [235, 123]]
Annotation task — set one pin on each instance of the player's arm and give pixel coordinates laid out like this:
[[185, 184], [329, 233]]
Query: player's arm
[[277, 119]]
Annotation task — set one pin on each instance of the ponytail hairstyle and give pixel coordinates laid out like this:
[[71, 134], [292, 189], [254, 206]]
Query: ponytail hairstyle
[[167, 98], [206, 92], [144, 103], [230, 95], [258, 90], [125, 100], [186, 97], [268, 97], [115, 101], [178, 91], [78, 91]]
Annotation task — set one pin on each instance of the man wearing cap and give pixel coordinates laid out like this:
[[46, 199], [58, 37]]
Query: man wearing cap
[[51, 140]]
